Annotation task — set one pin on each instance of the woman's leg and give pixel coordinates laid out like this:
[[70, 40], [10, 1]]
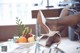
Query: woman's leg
[[64, 21], [69, 20], [54, 23], [40, 22], [64, 12]]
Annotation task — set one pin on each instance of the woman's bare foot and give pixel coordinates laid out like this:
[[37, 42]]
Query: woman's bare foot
[[53, 39]]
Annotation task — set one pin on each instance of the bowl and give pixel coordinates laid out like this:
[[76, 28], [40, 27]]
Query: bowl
[[27, 45]]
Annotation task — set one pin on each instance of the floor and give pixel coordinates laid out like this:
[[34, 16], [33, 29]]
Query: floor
[[66, 45], [69, 46]]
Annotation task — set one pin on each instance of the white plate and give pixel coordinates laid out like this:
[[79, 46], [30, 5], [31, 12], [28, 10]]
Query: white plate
[[27, 45]]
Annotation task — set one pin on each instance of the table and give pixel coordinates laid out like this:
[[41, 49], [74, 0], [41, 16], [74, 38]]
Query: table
[[11, 47], [17, 48]]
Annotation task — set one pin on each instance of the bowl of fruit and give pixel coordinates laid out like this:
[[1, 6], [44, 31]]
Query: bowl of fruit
[[25, 34], [26, 41]]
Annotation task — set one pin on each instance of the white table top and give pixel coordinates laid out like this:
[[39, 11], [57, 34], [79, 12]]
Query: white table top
[[14, 47], [17, 48]]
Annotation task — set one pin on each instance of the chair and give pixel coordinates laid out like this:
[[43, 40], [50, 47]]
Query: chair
[[78, 38], [77, 32], [53, 36]]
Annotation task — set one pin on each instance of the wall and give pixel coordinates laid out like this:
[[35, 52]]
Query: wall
[[7, 32]]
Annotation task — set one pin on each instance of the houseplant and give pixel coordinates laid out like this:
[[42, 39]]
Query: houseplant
[[24, 32]]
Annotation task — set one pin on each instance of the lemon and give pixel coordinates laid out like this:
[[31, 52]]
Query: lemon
[[31, 39]]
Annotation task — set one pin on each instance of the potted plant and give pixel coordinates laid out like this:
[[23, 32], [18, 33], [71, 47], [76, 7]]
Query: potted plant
[[24, 32]]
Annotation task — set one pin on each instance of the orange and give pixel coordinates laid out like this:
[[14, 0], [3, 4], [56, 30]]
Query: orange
[[22, 39]]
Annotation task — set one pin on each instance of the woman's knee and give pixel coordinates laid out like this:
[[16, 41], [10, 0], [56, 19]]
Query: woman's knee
[[64, 12]]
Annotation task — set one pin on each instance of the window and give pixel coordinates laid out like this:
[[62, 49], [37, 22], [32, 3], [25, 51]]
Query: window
[[10, 9]]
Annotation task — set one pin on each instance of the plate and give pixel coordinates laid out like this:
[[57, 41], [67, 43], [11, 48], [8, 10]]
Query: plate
[[27, 45]]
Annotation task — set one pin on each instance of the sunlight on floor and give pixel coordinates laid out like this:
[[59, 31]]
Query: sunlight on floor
[[69, 46]]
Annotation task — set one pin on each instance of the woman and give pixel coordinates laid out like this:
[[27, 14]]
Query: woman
[[69, 17]]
